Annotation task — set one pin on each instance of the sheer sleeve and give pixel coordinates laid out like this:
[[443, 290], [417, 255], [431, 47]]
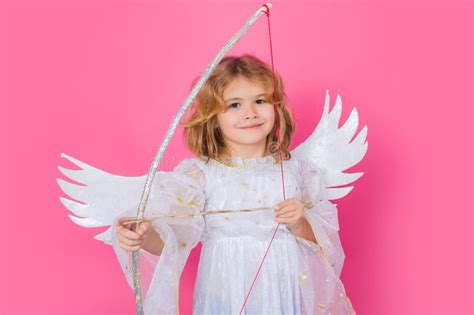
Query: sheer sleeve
[[180, 192], [322, 215], [321, 262]]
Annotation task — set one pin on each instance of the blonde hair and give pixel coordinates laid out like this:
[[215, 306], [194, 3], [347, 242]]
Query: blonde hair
[[200, 133]]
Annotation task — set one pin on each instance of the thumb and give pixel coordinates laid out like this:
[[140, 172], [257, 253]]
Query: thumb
[[142, 229], [123, 219], [129, 226]]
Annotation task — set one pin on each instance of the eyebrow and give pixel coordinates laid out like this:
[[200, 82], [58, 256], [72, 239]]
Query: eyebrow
[[238, 98]]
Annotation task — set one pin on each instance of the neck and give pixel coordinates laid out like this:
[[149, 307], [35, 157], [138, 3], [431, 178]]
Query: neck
[[246, 152]]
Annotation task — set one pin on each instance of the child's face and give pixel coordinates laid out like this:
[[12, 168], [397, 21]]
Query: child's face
[[245, 106]]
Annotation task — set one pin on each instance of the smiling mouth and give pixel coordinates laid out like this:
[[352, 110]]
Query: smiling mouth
[[252, 126]]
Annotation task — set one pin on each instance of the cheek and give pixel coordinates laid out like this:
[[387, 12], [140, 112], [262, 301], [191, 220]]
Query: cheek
[[268, 112], [226, 120]]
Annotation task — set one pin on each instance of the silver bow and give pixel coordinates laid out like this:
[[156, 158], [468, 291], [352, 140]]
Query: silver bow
[[169, 134]]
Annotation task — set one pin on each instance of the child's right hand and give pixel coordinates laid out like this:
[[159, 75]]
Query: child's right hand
[[130, 240]]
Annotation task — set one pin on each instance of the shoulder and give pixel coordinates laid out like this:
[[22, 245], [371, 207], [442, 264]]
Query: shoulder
[[192, 168], [191, 163], [304, 166]]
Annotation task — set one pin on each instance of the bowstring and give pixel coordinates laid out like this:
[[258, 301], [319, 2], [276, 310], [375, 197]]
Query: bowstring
[[278, 131]]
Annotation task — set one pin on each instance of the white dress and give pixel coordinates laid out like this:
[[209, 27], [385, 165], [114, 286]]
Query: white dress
[[297, 277]]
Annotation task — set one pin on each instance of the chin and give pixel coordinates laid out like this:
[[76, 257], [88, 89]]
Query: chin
[[250, 140]]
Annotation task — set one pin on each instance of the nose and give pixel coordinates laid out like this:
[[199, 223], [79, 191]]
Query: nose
[[251, 112]]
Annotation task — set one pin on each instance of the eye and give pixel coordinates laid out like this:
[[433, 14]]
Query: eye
[[261, 101], [233, 105]]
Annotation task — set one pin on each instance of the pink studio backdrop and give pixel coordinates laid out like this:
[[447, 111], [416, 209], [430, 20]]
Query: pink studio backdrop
[[101, 81]]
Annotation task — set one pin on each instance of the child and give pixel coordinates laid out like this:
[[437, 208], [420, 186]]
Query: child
[[233, 134]]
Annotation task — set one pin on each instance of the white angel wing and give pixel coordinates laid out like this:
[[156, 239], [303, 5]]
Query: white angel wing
[[329, 148], [105, 196]]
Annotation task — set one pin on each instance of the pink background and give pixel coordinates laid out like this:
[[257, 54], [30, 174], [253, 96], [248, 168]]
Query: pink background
[[101, 81]]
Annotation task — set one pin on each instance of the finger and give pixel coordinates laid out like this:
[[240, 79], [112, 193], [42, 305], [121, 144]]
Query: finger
[[281, 205], [286, 220], [124, 219], [132, 243], [143, 229], [129, 234], [287, 215], [285, 210], [285, 203], [132, 222], [130, 228], [128, 241]]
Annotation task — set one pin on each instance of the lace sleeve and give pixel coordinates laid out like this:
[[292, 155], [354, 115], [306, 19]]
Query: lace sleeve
[[321, 264], [322, 215]]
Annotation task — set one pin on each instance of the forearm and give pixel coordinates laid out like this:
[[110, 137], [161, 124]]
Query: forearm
[[153, 243], [303, 230]]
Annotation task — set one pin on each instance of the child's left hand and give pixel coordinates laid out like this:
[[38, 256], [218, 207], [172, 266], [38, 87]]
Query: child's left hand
[[290, 211]]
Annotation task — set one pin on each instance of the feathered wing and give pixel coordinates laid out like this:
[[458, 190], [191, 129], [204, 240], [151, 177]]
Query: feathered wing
[[103, 196], [329, 148]]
